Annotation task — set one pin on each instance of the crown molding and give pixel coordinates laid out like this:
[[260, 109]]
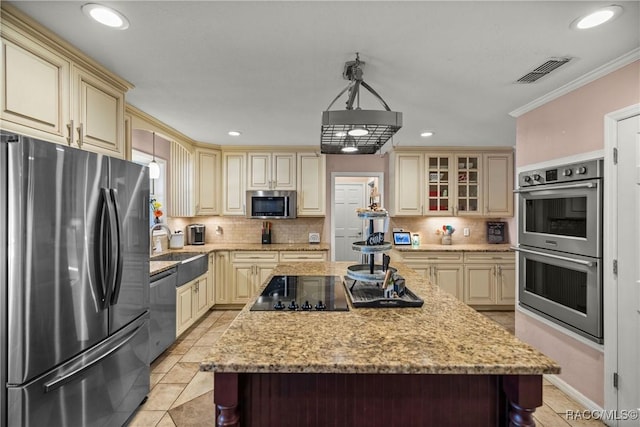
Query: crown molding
[[595, 74]]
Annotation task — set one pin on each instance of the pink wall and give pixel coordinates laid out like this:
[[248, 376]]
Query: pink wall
[[582, 366], [570, 125], [142, 140], [574, 123]]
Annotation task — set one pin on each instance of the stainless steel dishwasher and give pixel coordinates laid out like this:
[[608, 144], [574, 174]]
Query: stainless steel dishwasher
[[163, 312]]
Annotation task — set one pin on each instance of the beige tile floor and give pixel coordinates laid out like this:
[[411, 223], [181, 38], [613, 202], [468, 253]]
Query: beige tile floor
[[182, 396]]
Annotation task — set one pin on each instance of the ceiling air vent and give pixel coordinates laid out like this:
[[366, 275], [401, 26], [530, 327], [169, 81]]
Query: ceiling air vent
[[543, 70]]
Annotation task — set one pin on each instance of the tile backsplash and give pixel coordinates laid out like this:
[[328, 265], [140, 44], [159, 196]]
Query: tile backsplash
[[229, 229], [426, 227], [239, 229]]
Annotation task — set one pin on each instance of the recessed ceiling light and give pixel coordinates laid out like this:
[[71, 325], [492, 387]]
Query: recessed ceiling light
[[106, 16], [235, 133], [597, 17], [426, 134]]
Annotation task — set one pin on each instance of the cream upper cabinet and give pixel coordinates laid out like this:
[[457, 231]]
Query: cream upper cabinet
[[311, 184], [271, 171], [181, 179], [233, 183], [440, 181], [468, 195], [498, 184], [35, 89], [455, 183], [207, 181], [53, 92], [406, 173], [98, 118]]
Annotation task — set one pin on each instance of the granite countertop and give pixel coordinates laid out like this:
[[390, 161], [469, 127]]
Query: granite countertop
[[159, 266], [477, 247], [444, 336]]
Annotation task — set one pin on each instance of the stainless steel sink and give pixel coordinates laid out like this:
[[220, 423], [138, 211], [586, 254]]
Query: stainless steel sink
[[191, 265]]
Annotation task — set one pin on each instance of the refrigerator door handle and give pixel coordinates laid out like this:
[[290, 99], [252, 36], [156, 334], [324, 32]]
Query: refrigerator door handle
[[111, 246], [119, 248], [91, 360], [101, 251]]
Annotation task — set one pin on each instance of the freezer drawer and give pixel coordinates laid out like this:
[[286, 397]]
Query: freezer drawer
[[101, 387]]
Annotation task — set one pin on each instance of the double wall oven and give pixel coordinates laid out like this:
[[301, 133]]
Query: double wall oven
[[560, 245]]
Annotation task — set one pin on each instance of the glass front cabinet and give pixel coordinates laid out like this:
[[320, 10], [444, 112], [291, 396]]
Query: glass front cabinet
[[439, 176], [454, 184], [468, 184]]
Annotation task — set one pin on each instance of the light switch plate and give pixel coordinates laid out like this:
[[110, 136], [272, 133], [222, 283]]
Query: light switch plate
[[466, 231], [314, 237]]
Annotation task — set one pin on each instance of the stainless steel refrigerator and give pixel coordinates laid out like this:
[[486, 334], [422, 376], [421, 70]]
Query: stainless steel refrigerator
[[74, 294]]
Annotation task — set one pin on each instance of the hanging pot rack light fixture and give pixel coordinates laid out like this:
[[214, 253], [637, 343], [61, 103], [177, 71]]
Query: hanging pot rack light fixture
[[355, 130], [154, 167]]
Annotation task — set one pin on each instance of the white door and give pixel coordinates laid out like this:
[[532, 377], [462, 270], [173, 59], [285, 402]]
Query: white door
[[628, 249], [348, 197]]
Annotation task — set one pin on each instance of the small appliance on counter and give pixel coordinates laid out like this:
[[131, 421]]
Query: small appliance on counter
[[496, 232], [195, 234], [266, 232], [176, 240]]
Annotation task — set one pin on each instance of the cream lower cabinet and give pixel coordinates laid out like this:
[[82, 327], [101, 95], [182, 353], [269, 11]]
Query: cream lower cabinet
[[223, 285], [191, 303], [249, 271], [489, 278], [211, 281], [444, 269], [303, 256]]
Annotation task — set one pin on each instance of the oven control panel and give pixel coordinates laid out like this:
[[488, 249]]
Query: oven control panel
[[566, 173]]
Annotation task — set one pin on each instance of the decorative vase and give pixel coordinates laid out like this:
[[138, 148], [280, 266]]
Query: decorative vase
[[446, 239], [156, 220]]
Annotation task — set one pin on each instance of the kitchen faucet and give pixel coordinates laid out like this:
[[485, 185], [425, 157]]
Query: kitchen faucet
[[155, 227]]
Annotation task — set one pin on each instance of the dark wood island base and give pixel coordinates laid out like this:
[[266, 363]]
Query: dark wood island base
[[354, 400]]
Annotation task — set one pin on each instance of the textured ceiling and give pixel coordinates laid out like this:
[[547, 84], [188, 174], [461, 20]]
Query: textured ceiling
[[270, 68]]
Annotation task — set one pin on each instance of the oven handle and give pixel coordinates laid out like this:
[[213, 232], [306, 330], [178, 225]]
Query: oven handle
[[556, 187], [562, 258]]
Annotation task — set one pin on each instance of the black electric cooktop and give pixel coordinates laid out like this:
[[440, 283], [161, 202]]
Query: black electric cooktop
[[302, 293]]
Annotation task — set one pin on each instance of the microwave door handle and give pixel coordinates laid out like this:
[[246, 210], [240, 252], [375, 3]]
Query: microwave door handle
[[556, 187], [559, 257]]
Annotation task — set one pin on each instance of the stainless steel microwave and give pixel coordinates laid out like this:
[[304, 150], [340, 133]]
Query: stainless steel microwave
[[272, 204]]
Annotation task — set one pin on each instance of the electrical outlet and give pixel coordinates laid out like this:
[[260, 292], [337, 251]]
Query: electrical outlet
[[466, 232]]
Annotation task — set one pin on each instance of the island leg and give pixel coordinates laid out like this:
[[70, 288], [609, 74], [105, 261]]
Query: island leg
[[225, 397], [524, 393]]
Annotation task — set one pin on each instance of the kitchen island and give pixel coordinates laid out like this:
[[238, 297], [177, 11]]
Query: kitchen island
[[437, 365]]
